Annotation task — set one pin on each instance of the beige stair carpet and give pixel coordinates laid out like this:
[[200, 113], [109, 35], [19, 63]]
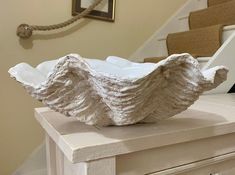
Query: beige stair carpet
[[202, 42], [216, 2], [206, 25], [218, 14]]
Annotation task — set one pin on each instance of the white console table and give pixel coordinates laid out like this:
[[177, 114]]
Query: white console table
[[199, 141]]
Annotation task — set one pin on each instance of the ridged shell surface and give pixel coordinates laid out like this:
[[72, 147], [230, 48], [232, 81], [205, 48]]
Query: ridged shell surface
[[117, 91]]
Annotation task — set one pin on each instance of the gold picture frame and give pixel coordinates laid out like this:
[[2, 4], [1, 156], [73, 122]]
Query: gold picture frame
[[107, 13]]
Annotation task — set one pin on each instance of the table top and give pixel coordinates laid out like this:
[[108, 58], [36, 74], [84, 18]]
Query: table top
[[211, 115]]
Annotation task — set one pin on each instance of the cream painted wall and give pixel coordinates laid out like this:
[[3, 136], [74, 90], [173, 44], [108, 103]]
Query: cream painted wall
[[136, 20]]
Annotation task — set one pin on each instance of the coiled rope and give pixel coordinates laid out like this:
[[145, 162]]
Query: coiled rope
[[25, 31]]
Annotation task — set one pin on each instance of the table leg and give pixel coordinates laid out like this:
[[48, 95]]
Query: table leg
[[59, 162], [51, 156], [106, 166]]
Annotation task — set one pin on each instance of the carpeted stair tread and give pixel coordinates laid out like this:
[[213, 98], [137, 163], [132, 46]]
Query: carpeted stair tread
[[218, 14], [203, 42], [216, 2], [205, 36]]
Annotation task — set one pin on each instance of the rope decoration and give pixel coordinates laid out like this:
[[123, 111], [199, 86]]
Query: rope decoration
[[25, 31]]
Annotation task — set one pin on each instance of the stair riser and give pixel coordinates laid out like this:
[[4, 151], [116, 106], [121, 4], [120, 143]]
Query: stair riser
[[155, 45], [227, 34]]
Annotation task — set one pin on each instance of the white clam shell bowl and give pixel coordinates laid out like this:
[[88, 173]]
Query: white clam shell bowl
[[117, 91]]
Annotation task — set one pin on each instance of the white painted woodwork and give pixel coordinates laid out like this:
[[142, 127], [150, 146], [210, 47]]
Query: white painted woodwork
[[74, 169], [105, 166], [227, 32], [51, 156], [58, 164], [199, 140], [59, 161], [160, 159], [221, 165], [224, 56], [156, 45], [224, 168]]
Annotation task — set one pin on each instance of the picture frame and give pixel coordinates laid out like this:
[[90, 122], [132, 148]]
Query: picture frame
[[104, 11]]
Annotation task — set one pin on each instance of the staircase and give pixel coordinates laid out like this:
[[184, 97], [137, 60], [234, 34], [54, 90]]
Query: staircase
[[203, 28]]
